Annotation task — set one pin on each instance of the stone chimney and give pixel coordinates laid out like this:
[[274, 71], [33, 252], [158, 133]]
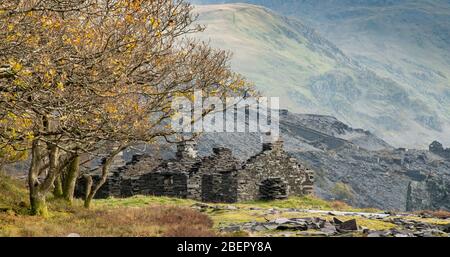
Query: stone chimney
[[187, 149], [272, 144], [284, 112]]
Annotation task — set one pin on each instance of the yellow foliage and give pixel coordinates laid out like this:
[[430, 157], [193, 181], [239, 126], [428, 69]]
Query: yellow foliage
[[15, 66], [60, 86]]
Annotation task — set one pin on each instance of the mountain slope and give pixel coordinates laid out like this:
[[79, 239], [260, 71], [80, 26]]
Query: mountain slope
[[399, 96]]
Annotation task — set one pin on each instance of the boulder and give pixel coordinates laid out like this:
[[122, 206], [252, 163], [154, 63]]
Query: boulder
[[349, 225]]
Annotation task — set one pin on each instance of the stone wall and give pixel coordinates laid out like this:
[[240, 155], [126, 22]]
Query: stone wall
[[273, 189], [140, 164], [221, 177], [273, 162], [216, 177], [172, 177], [219, 187], [111, 188], [145, 175], [172, 184]]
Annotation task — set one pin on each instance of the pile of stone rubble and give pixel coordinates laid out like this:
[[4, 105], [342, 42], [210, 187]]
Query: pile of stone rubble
[[320, 227], [328, 228], [406, 224]]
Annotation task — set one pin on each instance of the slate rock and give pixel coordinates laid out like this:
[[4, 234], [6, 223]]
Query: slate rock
[[259, 228], [375, 234], [282, 220], [232, 228], [328, 228], [400, 235], [446, 228], [349, 225], [298, 226], [313, 234], [316, 223], [337, 221]]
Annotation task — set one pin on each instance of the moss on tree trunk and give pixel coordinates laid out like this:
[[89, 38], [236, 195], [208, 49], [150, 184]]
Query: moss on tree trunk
[[87, 200], [38, 205], [40, 188], [87, 203], [58, 190], [71, 179]]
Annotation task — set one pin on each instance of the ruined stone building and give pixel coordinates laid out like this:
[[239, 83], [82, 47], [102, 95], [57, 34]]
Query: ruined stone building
[[220, 177]]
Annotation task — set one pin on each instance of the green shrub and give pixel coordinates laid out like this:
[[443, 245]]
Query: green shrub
[[343, 192]]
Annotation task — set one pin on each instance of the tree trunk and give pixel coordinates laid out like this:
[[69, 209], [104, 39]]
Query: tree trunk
[[88, 185], [71, 178], [87, 203], [37, 199], [58, 190], [105, 171], [38, 189], [38, 204]]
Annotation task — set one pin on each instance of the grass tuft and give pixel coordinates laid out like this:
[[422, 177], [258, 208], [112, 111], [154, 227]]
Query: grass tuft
[[309, 202], [441, 214], [128, 221]]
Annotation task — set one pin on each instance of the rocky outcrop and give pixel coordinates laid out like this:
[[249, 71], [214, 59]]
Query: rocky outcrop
[[438, 149], [430, 194], [382, 179]]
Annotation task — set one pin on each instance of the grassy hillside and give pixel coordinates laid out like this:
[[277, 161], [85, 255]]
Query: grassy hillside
[[392, 87]]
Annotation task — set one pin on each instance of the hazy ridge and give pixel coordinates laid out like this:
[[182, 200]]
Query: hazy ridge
[[396, 94]]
